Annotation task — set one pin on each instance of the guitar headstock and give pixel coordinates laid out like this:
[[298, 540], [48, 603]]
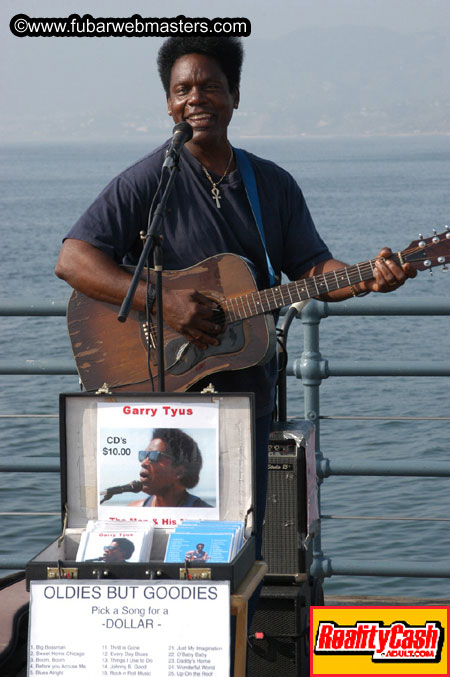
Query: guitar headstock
[[426, 253]]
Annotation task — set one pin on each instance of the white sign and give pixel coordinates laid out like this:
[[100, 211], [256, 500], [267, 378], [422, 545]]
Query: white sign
[[129, 629]]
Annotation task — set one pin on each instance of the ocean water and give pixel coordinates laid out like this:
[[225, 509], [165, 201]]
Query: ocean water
[[364, 194]]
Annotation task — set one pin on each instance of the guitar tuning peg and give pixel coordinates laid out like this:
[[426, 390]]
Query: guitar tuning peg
[[435, 238], [422, 242], [444, 268], [447, 234]]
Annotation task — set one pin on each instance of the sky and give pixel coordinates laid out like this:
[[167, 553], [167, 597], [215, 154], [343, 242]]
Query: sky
[[41, 78]]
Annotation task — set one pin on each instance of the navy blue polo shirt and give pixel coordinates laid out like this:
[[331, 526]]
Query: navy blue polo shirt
[[195, 229]]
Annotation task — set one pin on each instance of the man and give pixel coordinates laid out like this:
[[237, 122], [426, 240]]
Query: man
[[120, 550], [201, 78], [197, 555], [170, 464]]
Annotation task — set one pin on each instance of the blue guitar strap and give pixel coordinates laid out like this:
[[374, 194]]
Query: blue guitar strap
[[248, 177]]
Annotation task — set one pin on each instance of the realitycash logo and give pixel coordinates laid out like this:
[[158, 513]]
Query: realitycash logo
[[378, 641], [398, 642]]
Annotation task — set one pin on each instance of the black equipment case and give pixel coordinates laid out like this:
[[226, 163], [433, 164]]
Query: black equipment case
[[292, 510], [81, 454]]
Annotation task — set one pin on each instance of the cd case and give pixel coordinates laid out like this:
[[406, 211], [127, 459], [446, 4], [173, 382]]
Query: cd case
[[205, 542], [107, 442]]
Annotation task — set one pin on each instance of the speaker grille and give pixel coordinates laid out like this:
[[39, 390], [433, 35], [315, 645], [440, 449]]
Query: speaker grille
[[281, 615], [285, 517]]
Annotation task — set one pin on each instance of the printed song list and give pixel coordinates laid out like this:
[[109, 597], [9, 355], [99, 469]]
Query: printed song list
[[125, 660], [109, 628], [54, 659], [192, 661]]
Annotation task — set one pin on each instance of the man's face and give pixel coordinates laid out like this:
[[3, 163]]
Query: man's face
[[113, 553], [158, 476], [199, 94]]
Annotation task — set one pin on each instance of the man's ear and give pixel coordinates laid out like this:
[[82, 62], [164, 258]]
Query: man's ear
[[237, 96]]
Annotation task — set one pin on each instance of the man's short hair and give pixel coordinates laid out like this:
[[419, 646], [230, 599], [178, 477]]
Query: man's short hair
[[227, 51], [125, 546], [183, 451]]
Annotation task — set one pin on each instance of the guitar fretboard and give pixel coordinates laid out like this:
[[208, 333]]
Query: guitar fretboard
[[258, 302]]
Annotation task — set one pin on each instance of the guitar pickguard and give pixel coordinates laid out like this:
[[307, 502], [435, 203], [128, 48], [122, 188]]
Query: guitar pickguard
[[181, 355]]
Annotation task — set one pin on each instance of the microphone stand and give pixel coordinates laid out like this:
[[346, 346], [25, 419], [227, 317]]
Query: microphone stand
[[153, 242]]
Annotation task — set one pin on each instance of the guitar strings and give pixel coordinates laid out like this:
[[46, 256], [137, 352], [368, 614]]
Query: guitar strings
[[253, 303], [309, 287]]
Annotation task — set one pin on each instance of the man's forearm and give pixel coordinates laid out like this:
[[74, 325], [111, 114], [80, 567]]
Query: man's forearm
[[95, 274]]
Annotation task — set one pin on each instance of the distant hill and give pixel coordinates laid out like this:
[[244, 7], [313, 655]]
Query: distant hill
[[349, 80], [339, 81]]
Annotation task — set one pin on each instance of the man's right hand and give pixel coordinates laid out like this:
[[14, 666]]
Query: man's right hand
[[95, 274], [192, 314]]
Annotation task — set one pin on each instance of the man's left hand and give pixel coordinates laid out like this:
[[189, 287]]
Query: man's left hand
[[388, 275]]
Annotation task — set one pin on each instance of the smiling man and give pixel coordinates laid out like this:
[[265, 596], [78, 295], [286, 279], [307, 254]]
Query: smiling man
[[212, 209]]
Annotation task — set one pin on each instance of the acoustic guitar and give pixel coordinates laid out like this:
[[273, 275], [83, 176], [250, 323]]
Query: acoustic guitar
[[122, 354]]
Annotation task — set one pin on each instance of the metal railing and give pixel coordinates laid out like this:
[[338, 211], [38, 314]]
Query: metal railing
[[312, 369]]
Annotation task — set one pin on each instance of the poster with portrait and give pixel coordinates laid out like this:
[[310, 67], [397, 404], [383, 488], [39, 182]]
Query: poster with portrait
[[158, 461]]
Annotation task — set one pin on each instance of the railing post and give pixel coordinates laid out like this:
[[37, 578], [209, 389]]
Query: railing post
[[312, 369]]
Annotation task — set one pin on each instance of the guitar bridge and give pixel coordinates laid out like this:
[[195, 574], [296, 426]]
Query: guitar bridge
[[147, 335]]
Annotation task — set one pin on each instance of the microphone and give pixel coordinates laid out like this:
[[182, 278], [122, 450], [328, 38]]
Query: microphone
[[134, 487], [182, 132]]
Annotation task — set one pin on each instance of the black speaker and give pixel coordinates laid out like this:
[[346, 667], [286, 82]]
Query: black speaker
[[285, 523], [279, 634]]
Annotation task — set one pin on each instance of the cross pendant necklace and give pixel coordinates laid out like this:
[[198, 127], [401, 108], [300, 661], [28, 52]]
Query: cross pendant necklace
[[215, 192]]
